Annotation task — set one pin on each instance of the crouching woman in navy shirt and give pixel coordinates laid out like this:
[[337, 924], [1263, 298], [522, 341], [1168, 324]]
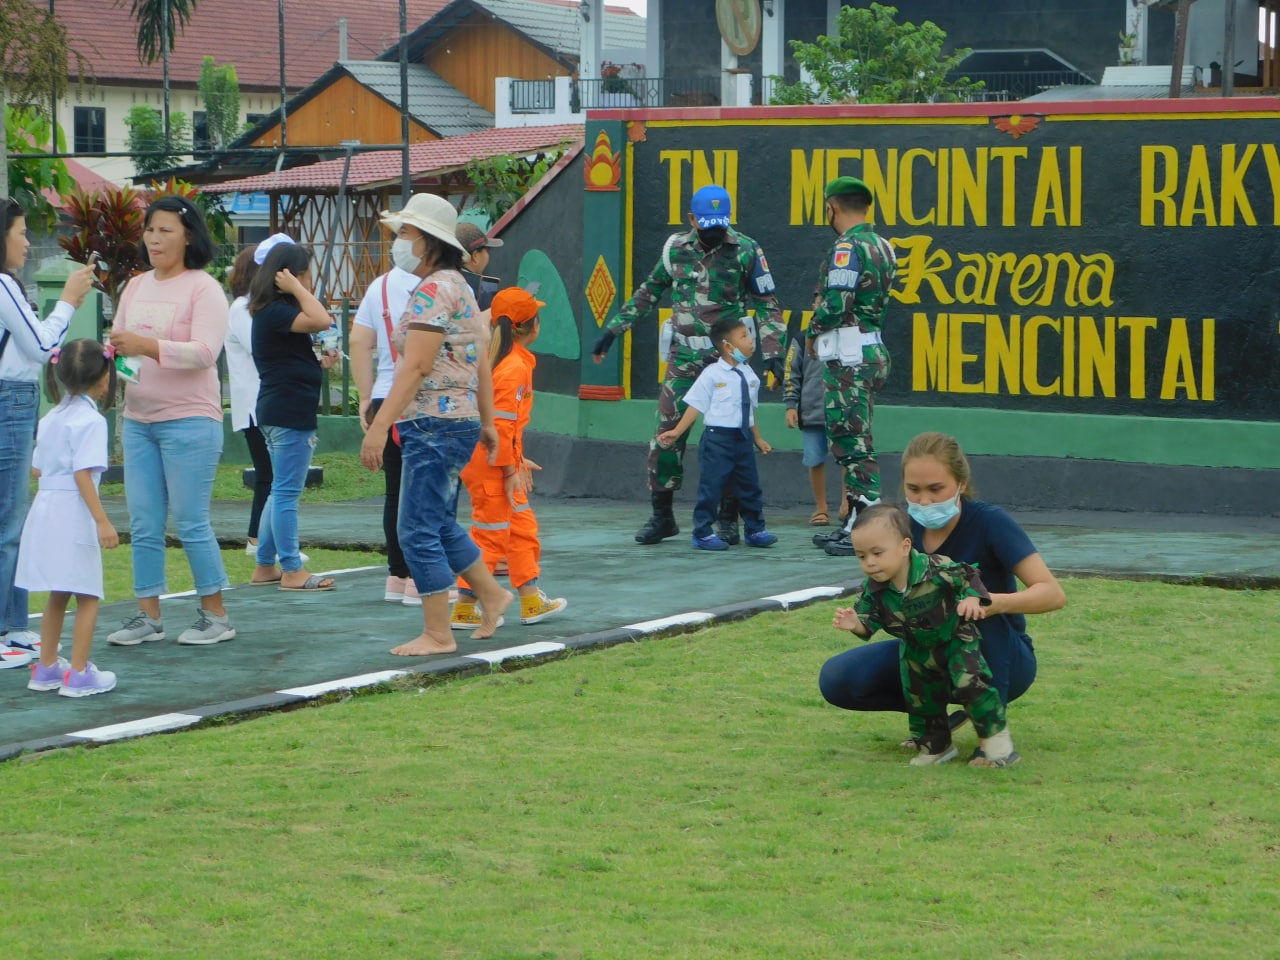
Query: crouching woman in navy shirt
[[935, 478]]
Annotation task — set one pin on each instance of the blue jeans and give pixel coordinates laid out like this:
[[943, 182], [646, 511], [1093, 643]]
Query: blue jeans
[[436, 548], [278, 530], [171, 464], [19, 406], [869, 677]]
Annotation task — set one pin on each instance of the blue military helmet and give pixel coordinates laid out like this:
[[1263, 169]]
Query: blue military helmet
[[711, 207]]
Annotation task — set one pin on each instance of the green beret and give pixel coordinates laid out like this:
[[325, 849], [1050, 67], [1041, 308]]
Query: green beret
[[846, 185]]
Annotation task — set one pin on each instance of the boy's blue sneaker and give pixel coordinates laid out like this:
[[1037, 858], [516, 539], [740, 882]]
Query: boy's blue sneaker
[[709, 543], [761, 538]]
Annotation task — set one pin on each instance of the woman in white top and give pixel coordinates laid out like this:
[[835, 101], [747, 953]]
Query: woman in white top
[[25, 346], [244, 386]]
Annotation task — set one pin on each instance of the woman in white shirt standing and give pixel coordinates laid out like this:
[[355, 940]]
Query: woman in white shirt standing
[[244, 385], [25, 346]]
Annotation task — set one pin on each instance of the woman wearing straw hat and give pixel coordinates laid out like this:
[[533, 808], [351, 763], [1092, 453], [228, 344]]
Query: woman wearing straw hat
[[441, 403]]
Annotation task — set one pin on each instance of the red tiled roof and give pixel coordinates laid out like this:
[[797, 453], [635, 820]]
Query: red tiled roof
[[246, 33], [424, 158], [85, 179], [243, 32]]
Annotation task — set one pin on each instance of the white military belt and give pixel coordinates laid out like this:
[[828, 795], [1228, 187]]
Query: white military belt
[[845, 344]]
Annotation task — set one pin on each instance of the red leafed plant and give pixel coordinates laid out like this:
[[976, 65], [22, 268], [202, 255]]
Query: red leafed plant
[[107, 223]]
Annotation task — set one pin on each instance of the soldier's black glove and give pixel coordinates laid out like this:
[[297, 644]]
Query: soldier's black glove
[[603, 344], [776, 366]]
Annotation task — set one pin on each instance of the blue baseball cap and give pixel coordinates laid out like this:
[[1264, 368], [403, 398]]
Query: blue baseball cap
[[711, 207]]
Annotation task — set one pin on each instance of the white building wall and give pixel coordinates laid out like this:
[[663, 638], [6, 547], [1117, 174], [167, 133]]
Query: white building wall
[[118, 101]]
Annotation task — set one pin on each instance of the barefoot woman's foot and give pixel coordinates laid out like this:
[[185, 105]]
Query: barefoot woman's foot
[[426, 645], [492, 607]]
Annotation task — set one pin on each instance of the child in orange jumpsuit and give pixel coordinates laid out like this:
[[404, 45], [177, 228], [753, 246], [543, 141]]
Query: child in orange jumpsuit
[[502, 522]]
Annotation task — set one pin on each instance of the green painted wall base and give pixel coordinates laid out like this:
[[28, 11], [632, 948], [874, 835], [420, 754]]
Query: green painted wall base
[[1139, 440]]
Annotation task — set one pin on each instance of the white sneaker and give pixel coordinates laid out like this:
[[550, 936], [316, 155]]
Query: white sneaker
[[13, 657], [23, 640]]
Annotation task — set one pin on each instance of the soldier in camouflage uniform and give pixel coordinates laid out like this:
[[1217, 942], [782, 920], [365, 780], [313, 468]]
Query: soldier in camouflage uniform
[[930, 603], [853, 294], [713, 273]]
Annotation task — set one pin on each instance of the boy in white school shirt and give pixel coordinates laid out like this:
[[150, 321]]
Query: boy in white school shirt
[[726, 394]]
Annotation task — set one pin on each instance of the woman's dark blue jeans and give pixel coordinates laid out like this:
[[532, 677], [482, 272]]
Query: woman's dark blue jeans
[[436, 547]]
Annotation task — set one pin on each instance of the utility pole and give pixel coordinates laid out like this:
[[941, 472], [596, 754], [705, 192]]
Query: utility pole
[[164, 53], [1229, 51], [284, 120], [1180, 47], [404, 104]]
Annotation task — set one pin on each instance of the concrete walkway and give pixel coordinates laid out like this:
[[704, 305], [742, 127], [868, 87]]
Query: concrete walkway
[[292, 647]]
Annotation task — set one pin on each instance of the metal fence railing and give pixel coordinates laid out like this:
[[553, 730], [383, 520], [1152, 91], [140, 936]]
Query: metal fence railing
[[1018, 85], [539, 96]]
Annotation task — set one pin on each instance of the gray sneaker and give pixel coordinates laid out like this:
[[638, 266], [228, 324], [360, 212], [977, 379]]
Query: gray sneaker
[[208, 629], [137, 629]]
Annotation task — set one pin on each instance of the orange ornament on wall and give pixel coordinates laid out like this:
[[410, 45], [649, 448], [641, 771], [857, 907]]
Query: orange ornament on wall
[[603, 168]]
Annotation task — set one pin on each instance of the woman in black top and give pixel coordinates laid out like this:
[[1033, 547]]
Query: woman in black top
[[285, 315]]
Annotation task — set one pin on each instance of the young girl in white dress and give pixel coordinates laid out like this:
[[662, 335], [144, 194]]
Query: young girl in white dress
[[66, 524]]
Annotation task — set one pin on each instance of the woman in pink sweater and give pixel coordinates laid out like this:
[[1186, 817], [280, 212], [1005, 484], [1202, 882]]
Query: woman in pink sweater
[[173, 320]]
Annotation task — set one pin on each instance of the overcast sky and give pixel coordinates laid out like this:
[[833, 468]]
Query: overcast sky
[[636, 5]]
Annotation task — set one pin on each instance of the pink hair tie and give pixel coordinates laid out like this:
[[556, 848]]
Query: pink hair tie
[[109, 351], [54, 354]]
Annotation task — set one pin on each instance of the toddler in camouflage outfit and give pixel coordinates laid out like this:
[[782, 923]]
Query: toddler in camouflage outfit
[[930, 603]]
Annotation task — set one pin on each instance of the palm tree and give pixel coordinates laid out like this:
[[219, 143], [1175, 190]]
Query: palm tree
[[157, 20]]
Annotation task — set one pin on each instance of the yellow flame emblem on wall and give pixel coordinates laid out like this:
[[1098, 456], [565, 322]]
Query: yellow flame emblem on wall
[[603, 168]]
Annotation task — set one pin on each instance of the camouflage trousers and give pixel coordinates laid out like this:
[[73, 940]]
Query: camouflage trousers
[[849, 403], [666, 464], [951, 672]]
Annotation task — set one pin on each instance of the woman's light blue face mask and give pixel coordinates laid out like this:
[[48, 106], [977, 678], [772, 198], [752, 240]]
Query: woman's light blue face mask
[[935, 516]]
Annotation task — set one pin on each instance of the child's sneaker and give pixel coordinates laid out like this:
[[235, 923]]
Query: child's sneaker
[[411, 597], [536, 607], [761, 538], [709, 543], [13, 657], [137, 629], [87, 683], [466, 615], [925, 759], [208, 629], [394, 590], [47, 678]]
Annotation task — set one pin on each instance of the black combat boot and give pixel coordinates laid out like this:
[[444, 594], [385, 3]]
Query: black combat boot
[[727, 521], [820, 540], [663, 522], [842, 546]]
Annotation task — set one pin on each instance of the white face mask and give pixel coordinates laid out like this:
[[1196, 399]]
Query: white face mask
[[402, 255]]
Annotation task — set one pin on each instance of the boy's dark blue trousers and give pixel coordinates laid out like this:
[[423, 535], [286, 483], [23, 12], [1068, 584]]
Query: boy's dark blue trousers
[[727, 462]]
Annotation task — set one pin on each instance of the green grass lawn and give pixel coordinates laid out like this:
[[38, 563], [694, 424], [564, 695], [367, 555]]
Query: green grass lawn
[[344, 479], [690, 797]]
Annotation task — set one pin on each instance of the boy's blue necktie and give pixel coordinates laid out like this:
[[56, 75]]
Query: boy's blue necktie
[[746, 403]]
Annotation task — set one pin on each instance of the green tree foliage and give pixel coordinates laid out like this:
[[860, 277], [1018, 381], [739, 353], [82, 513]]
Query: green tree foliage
[[220, 90], [34, 58], [874, 59], [146, 138], [502, 180], [150, 15], [29, 133]]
